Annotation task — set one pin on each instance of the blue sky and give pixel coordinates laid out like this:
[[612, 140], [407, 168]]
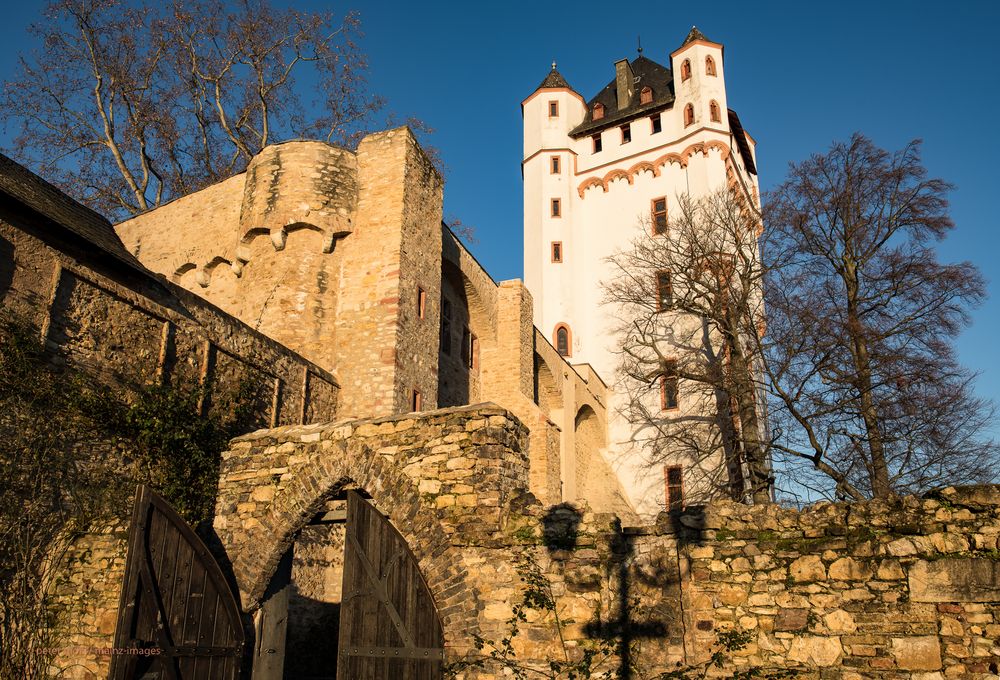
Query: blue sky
[[799, 74]]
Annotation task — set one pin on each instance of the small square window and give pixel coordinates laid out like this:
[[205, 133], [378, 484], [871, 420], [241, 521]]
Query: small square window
[[557, 254], [555, 169], [626, 134], [659, 215], [597, 143], [421, 303], [657, 124], [553, 109], [556, 207]]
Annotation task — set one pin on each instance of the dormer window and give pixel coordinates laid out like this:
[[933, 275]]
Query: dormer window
[[686, 69], [553, 109], [598, 111], [646, 96], [713, 110], [688, 115], [709, 66]]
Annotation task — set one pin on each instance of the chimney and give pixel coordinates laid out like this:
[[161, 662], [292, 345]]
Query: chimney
[[624, 82]]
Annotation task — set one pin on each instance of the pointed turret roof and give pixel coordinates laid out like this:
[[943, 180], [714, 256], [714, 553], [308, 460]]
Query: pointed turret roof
[[694, 34], [554, 79]]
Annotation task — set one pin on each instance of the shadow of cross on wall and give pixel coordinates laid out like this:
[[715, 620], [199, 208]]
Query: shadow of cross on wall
[[560, 527]]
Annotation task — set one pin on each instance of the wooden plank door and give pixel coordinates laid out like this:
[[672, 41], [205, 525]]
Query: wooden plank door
[[272, 624], [176, 609], [389, 626]]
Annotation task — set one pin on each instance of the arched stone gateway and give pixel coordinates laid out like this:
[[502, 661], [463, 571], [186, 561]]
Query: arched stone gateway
[[433, 476]]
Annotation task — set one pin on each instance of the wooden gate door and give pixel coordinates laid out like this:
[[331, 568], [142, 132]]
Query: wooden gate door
[[389, 627], [176, 611]]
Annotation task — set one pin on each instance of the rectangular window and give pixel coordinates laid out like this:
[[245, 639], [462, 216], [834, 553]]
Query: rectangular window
[[556, 207], [445, 326], [626, 133], [421, 303], [597, 143], [659, 215], [557, 251], [474, 352], [668, 386], [674, 479], [664, 292], [555, 169], [657, 125], [553, 109], [416, 400], [466, 346]]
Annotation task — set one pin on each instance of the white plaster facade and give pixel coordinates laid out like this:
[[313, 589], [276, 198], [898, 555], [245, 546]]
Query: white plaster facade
[[605, 197]]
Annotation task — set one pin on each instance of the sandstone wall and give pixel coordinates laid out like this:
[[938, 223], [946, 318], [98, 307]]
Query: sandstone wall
[[122, 324]]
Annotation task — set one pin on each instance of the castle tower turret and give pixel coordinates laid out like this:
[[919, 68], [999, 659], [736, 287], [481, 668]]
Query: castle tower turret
[[548, 167]]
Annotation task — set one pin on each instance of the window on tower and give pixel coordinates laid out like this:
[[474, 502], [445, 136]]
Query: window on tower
[[557, 252], [668, 386], [556, 207], [686, 69], [655, 123], [709, 66], [688, 115], [646, 96], [597, 142], [553, 109], [421, 303], [563, 340], [664, 292], [416, 400], [598, 111], [714, 112], [659, 215], [626, 133], [674, 482], [554, 168]]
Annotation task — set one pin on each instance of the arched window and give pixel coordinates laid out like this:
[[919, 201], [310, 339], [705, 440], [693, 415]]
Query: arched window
[[713, 110], [688, 115], [686, 69], [564, 340], [709, 66], [646, 95], [598, 111]]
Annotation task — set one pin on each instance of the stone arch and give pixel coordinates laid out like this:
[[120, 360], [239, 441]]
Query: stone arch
[[256, 554], [548, 395], [589, 438], [182, 270], [459, 369]]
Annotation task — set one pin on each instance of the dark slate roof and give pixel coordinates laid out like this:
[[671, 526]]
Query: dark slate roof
[[554, 79], [31, 190], [741, 142], [694, 34], [647, 73]]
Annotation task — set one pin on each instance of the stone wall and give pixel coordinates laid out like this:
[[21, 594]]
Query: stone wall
[[118, 322], [908, 588]]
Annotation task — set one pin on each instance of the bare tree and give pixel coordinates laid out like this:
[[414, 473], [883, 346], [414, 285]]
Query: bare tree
[[867, 388], [689, 301], [128, 105]]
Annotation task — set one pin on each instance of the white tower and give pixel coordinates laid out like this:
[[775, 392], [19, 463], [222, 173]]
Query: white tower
[[596, 172]]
